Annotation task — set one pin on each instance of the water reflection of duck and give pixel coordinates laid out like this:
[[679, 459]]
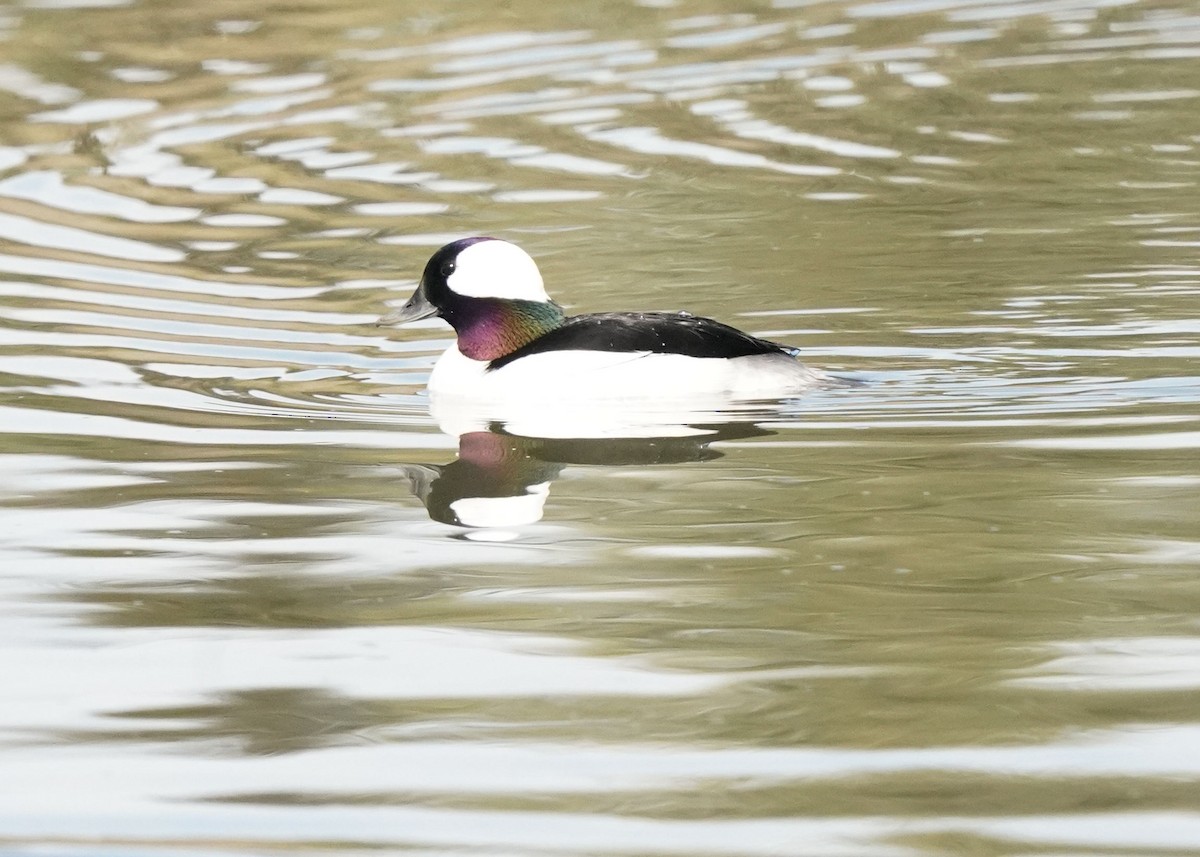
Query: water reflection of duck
[[515, 343], [502, 479]]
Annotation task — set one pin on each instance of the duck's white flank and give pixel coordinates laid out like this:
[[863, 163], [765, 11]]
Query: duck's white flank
[[566, 375], [497, 269]]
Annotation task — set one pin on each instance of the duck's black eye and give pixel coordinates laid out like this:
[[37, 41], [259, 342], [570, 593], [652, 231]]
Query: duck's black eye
[[447, 268]]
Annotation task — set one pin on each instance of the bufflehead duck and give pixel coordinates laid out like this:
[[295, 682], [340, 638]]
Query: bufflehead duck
[[514, 341]]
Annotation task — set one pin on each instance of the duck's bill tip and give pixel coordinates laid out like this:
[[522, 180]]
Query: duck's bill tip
[[416, 309]]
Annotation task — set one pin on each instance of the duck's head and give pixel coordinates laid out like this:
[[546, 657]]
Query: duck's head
[[489, 290]]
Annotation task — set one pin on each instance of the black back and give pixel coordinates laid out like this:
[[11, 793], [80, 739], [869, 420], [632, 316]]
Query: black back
[[655, 332]]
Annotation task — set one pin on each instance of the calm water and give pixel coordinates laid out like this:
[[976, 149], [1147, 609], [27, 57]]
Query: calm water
[[953, 608]]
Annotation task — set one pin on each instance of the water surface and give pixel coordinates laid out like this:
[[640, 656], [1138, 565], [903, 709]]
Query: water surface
[[950, 608]]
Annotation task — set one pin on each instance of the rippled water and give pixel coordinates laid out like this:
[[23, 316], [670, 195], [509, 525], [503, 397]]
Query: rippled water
[[952, 607]]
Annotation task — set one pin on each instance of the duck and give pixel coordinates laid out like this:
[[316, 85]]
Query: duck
[[515, 342]]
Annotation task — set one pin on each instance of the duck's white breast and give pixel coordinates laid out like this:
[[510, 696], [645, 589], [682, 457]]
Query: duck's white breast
[[564, 375]]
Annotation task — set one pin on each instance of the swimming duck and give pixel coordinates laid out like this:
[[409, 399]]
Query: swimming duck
[[515, 342]]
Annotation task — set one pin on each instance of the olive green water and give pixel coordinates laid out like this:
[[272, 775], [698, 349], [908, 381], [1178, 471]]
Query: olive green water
[[952, 608]]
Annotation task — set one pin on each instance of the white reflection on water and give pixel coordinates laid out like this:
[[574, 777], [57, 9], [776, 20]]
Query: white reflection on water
[[116, 804], [1142, 441], [101, 110], [150, 280], [580, 833], [38, 233], [48, 188], [50, 423], [651, 141], [405, 827], [395, 662], [1136, 663]]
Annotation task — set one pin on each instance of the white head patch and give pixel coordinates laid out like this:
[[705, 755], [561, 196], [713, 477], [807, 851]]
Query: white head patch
[[497, 269]]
